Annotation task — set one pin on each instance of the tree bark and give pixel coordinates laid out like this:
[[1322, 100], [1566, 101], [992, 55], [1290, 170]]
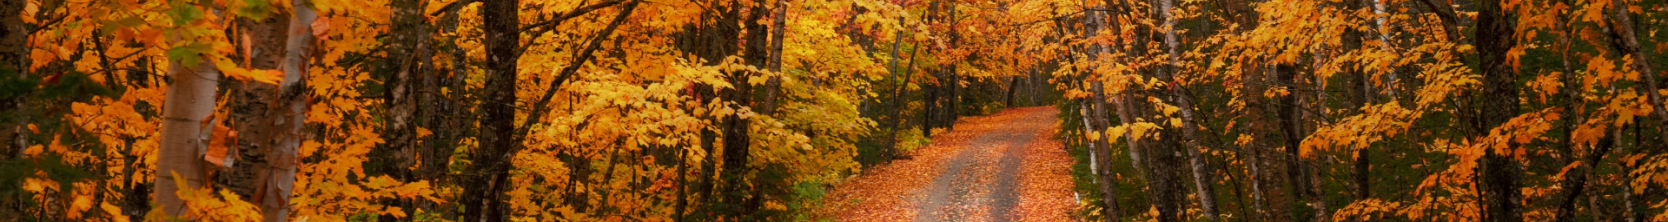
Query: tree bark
[[1362, 95], [897, 95], [1575, 182], [777, 33], [1101, 108], [448, 118], [404, 79], [1625, 41], [953, 97], [482, 192], [1500, 172], [928, 105], [737, 141], [14, 57], [252, 105], [1096, 120], [270, 116], [291, 116], [1190, 129], [186, 104], [1013, 84], [14, 36], [1296, 176]]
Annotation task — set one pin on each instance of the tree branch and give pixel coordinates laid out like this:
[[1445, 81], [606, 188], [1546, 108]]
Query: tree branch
[[569, 15], [452, 7], [567, 72], [1449, 20]]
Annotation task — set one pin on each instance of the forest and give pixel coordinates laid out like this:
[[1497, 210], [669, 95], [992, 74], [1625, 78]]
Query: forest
[[833, 110]]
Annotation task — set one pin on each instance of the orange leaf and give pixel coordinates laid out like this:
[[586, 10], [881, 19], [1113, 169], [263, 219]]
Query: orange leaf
[[222, 139], [320, 26]]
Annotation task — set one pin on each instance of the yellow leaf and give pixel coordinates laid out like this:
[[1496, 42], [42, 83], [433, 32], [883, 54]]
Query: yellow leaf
[[80, 204]]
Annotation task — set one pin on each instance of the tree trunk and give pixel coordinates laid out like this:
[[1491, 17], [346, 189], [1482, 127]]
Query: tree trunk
[[447, 118], [1628, 199], [778, 31], [736, 137], [1190, 129], [403, 80], [14, 36], [14, 57], [928, 104], [1362, 94], [1097, 120], [1099, 152], [1627, 42], [712, 40], [271, 117], [1575, 183], [482, 191], [187, 103], [1013, 84], [1297, 178], [1495, 31], [951, 110], [291, 116], [897, 95], [252, 105]]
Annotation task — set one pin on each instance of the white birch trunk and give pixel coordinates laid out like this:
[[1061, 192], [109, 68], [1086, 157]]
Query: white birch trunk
[[290, 116]]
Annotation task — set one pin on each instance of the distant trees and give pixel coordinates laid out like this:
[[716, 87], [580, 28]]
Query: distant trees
[[1308, 103]]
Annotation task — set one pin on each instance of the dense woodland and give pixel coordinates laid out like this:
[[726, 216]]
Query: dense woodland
[[750, 110]]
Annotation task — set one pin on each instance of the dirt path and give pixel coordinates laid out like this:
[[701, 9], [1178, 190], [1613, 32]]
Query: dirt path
[[1001, 167]]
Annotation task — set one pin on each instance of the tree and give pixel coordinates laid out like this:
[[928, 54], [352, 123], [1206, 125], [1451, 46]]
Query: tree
[[1501, 173], [190, 100], [13, 58], [484, 192]]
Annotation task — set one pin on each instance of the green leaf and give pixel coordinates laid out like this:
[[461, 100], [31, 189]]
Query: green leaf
[[190, 54], [183, 13], [255, 9]]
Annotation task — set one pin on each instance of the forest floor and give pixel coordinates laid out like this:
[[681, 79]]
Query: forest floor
[[1000, 167]]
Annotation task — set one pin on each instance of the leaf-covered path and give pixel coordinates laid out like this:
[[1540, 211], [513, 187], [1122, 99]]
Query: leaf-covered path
[[1001, 167]]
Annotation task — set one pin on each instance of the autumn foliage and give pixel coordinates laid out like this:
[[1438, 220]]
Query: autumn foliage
[[770, 110], [409, 110]]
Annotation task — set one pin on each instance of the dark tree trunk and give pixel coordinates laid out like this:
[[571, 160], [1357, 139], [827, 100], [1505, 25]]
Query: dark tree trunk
[[1296, 174], [897, 93], [712, 39], [445, 118], [252, 105], [400, 68], [13, 37], [1501, 190], [1361, 95], [778, 29], [1626, 42], [953, 96], [736, 137], [482, 192], [1013, 84], [1575, 182], [14, 57], [928, 105]]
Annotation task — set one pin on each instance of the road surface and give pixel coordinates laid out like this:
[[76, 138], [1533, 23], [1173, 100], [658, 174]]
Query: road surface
[[1001, 167]]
